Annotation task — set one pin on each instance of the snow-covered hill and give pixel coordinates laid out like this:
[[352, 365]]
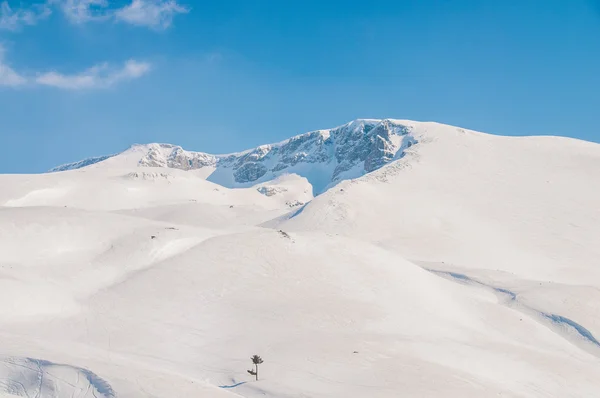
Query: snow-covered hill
[[324, 157], [441, 262]]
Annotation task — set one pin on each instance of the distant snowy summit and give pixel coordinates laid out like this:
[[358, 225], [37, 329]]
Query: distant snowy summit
[[323, 157]]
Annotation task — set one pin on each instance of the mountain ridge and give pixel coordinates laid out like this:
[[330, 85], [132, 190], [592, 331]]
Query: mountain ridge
[[324, 156]]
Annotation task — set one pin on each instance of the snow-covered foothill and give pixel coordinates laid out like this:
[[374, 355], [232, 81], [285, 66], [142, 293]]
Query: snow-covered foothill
[[433, 262]]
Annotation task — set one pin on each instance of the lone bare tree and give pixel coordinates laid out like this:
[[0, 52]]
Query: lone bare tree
[[256, 360]]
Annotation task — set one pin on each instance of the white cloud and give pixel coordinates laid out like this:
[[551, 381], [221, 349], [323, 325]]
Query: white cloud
[[13, 19], [80, 11], [99, 76], [157, 14], [8, 76]]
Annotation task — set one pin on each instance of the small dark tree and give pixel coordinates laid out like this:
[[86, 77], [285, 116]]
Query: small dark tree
[[256, 360]]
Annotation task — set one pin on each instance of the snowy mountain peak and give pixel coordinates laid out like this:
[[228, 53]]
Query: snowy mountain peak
[[324, 157]]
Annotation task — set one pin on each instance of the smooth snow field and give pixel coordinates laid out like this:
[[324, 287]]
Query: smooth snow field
[[467, 268]]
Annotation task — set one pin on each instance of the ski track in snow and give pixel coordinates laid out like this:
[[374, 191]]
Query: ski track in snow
[[234, 385], [554, 321]]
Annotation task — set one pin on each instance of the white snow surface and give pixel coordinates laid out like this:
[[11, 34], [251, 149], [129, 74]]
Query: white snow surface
[[465, 265]]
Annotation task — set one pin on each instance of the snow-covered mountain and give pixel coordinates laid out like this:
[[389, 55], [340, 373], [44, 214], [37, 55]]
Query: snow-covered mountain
[[324, 157], [465, 265], [81, 164]]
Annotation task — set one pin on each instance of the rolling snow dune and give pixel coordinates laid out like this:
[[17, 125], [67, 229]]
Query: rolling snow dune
[[462, 265], [308, 315], [122, 189], [53, 256]]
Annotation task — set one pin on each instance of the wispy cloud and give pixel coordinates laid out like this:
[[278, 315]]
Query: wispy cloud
[[8, 76], [81, 11], [14, 19], [99, 76], [156, 14]]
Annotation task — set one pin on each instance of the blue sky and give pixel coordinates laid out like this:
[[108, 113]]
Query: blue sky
[[80, 78]]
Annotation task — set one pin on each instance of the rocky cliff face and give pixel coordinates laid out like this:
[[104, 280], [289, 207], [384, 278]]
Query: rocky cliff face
[[324, 157], [81, 164], [167, 155]]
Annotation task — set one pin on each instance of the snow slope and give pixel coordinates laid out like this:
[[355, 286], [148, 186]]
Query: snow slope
[[527, 205], [465, 266]]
